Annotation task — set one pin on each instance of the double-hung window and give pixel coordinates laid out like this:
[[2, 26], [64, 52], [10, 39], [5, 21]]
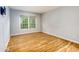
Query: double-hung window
[[27, 22]]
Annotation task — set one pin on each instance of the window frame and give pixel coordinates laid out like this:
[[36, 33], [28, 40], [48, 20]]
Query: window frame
[[35, 23], [28, 22]]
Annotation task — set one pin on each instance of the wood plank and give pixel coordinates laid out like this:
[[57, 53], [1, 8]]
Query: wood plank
[[40, 42]]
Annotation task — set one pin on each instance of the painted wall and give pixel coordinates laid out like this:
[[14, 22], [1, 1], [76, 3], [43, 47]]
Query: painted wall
[[4, 30], [15, 26], [62, 22]]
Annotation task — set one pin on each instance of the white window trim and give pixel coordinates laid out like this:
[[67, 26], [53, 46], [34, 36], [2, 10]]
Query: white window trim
[[28, 22]]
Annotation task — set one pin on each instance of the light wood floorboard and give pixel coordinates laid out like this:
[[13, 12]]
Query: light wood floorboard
[[40, 42]]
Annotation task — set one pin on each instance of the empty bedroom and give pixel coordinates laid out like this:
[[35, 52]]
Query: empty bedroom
[[39, 29]]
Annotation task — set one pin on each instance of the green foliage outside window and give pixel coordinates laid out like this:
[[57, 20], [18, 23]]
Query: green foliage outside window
[[27, 22], [32, 22], [24, 22]]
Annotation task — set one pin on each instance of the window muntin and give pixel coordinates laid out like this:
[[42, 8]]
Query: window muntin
[[32, 23], [27, 22]]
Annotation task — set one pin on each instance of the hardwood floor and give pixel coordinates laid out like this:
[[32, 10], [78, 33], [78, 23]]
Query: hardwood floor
[[40, 42]]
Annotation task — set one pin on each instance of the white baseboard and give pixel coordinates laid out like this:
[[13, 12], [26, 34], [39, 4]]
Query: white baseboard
[[52, 35], [23, 33], [63, 38]]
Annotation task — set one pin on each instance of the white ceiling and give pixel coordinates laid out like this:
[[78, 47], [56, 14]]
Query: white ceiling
[[35, 9]]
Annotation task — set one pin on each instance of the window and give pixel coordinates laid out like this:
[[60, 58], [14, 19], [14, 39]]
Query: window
[[31, 22], [27, 22], [24, 22]]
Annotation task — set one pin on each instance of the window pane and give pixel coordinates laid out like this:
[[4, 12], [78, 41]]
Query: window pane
[[24, 22], [32, 22]]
